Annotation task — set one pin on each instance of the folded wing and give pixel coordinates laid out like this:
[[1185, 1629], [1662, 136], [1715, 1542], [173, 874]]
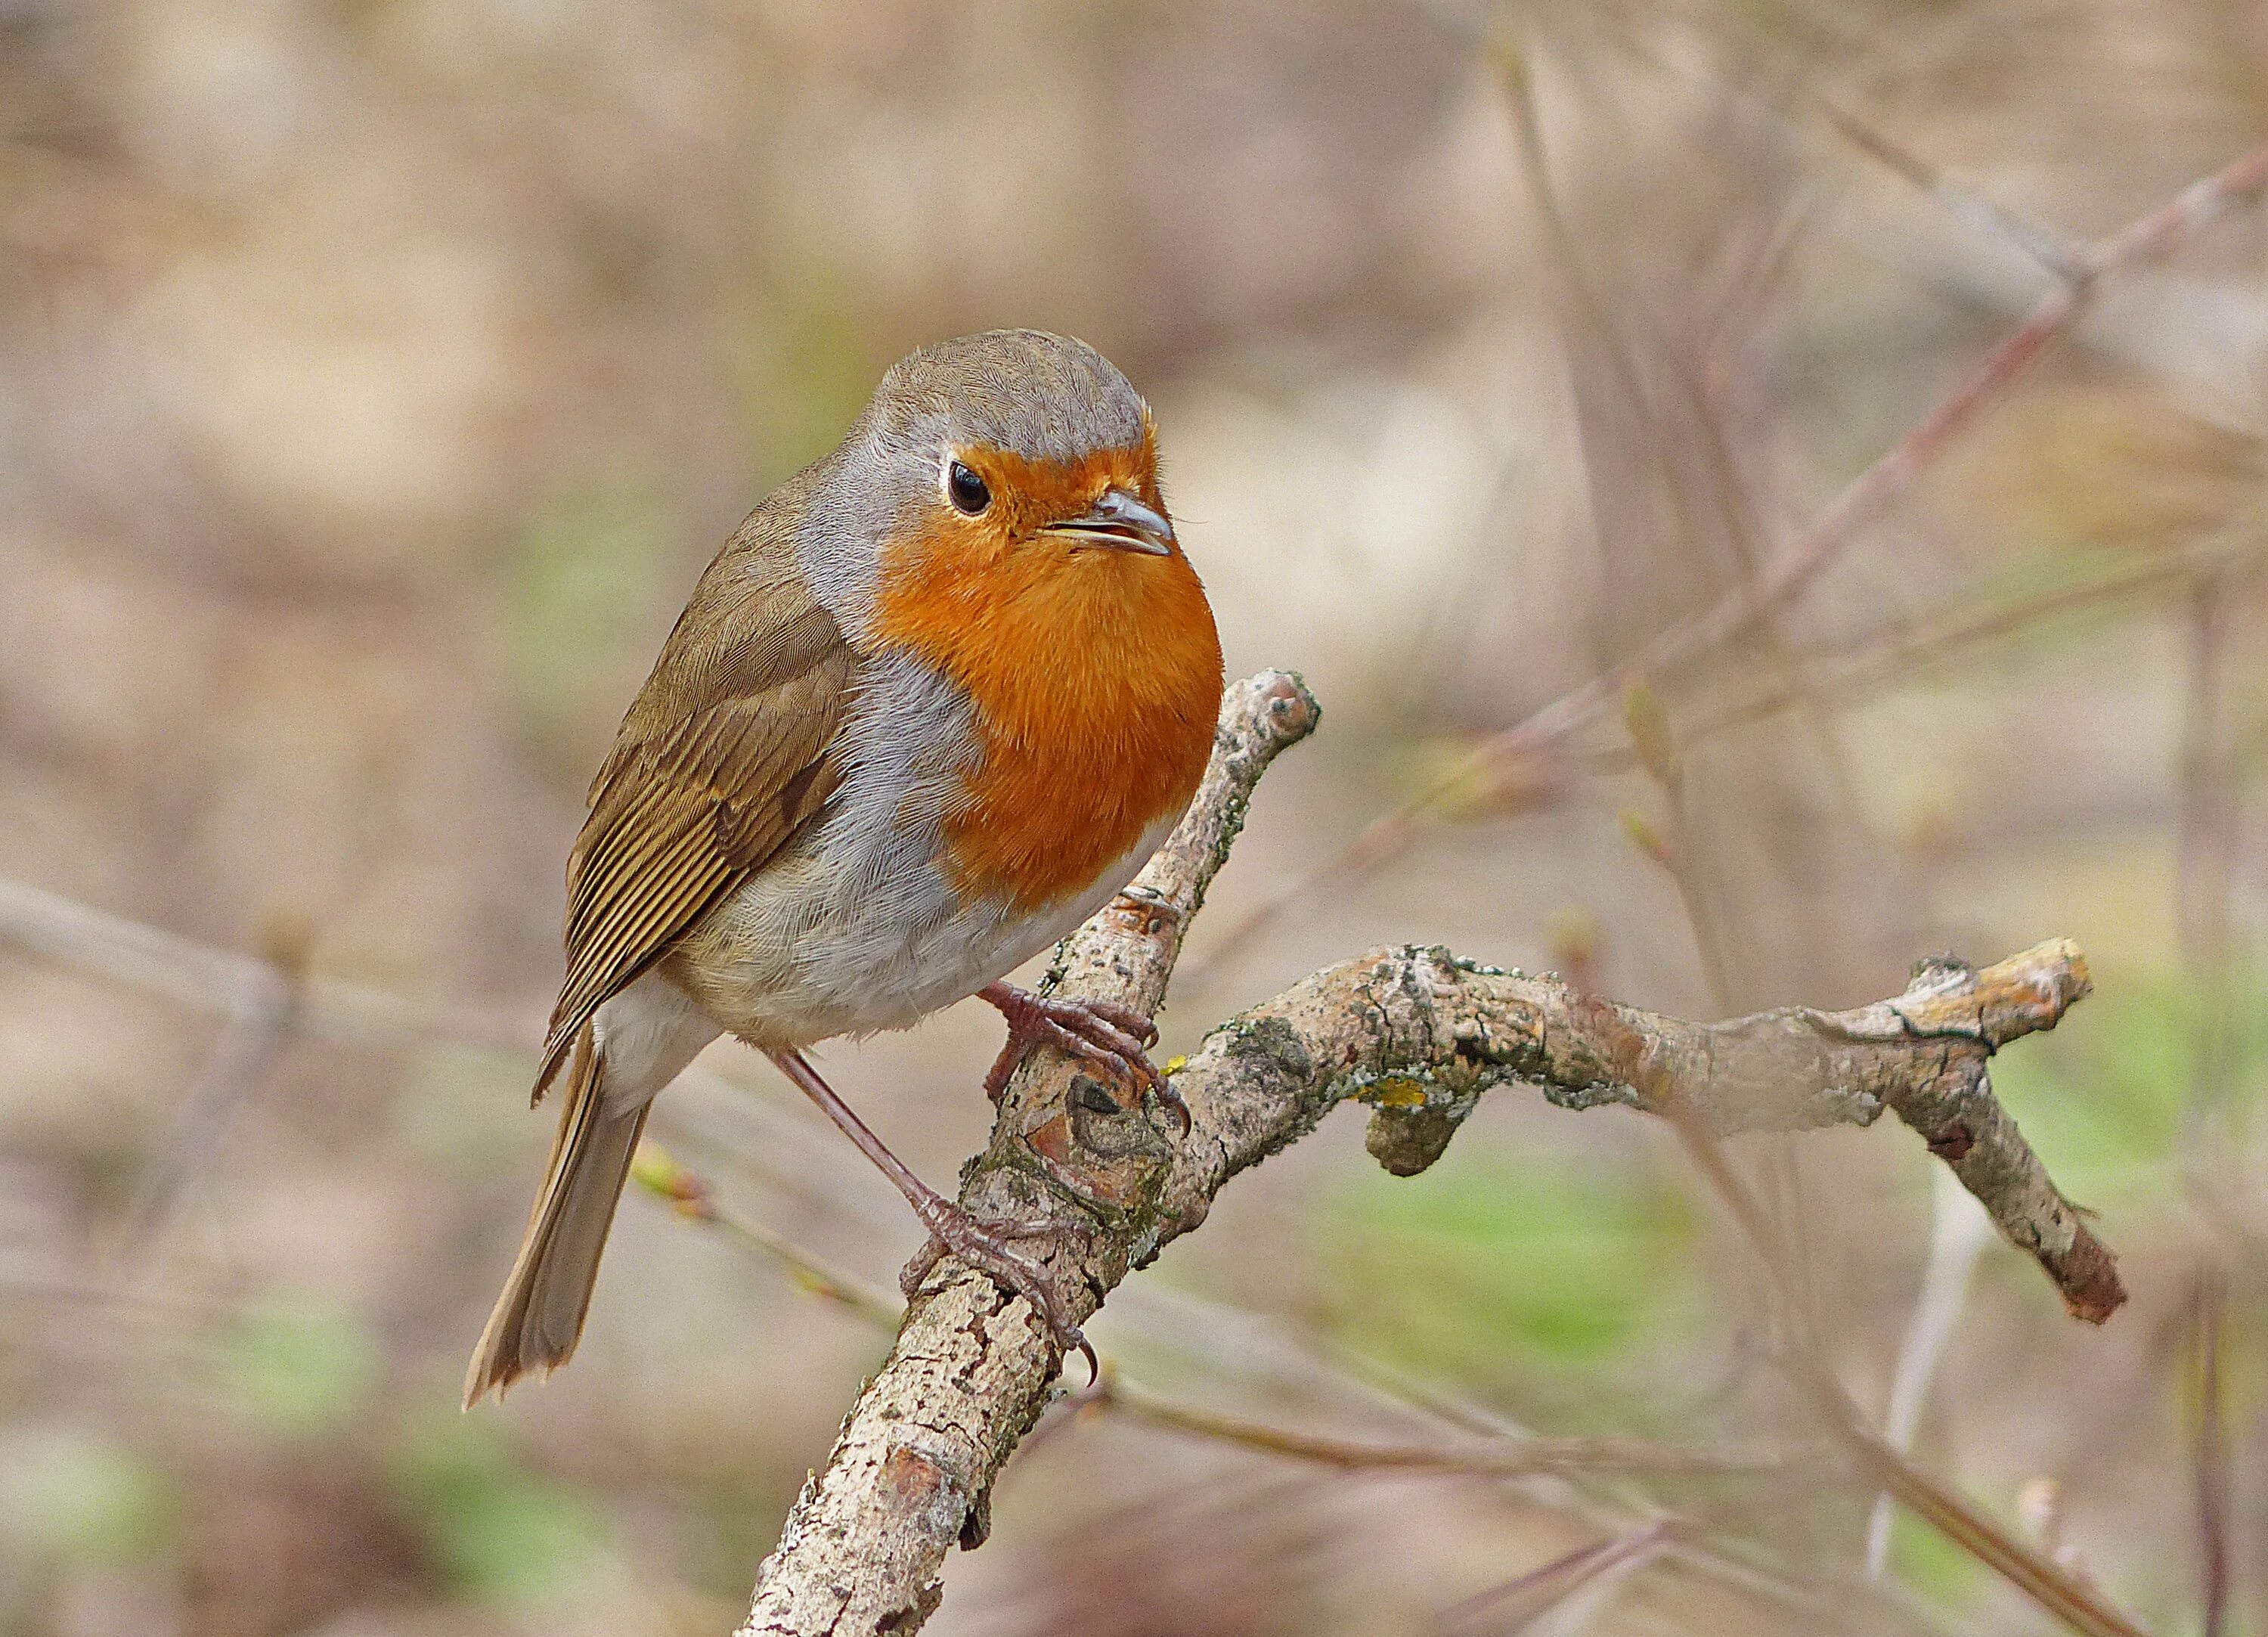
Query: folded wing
[[728, 751]]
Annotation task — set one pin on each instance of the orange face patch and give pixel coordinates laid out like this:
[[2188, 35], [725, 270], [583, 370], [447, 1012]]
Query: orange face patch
[[1096, 674]]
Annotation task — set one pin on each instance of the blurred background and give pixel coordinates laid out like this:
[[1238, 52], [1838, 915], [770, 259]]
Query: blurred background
[[376, 376]]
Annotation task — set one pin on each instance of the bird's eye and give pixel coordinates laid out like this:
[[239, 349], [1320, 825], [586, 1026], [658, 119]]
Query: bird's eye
[[966, 490]]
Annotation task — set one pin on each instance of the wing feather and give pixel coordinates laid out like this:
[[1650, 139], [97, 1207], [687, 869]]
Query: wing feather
[[729, 749]]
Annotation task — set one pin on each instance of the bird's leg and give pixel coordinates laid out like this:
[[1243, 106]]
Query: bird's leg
[[982, 1245], [1115, 1038]]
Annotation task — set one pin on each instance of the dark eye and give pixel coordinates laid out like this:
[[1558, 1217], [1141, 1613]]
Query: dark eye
[[966, 490]]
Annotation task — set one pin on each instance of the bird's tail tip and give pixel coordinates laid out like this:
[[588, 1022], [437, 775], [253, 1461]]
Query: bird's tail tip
[[538, 1318]]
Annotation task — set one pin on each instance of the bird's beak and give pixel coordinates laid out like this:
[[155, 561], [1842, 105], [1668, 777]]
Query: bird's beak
[[1118, 521]]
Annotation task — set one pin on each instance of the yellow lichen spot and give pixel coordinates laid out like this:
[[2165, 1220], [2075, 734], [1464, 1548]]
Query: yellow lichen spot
[[1174, 1065], [1397, 1091]]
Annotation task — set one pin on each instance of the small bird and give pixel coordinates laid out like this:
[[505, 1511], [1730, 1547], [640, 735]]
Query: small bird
[[932, 705]]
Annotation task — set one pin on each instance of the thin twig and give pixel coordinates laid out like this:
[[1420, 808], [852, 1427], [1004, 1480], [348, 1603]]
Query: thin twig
[[1592, 1568], [2212, 1462], [264, 1015], [1959, 1233], [2054, 254], [1891, 654], [1493, 1458], [1488, 1455], [657, 1171], [2210, 821], [1729, 493], [2059, 256]]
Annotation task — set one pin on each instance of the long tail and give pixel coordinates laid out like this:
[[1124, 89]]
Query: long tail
[[538, 1318]]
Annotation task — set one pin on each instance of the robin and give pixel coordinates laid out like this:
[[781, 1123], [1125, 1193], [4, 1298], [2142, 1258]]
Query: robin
[[934, 703]]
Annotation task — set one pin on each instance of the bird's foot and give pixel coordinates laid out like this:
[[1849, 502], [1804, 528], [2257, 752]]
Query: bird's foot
[[1115, 1038], [988, 1248]]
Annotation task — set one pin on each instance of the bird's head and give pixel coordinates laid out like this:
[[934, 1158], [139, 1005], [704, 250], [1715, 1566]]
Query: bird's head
[[1013, 455]]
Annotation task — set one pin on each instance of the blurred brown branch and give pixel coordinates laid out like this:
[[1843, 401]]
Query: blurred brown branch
[[267, 999], [2054, 254], [2070, 1597], [237, 985], [1495, 1457], [1518, 1602], [266, 1009], [1419, 1035], [1509, 756]]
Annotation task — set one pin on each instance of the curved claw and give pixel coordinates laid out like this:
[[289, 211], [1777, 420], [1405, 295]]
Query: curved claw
[[1070, 1336]]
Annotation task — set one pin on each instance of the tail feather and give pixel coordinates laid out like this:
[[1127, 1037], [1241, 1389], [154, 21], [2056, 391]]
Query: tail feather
[[538, 1318]]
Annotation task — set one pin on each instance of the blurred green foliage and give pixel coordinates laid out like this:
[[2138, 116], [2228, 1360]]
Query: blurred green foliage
[[1499, 1259], [298, 1366], [83, 1499], [500, 1531], [588, 563], [1927, 1563]]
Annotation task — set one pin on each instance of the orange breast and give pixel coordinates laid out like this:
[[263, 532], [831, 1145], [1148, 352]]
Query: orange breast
[[1095, 677]]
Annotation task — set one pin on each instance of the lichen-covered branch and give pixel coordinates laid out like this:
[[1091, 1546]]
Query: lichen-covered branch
[[1420, 1035], [1417, 1035]]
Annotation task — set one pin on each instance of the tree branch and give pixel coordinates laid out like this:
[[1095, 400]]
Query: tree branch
[[1418, 1034], [239, 985]]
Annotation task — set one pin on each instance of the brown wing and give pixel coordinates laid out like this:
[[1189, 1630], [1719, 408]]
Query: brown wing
[[725, 752]]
